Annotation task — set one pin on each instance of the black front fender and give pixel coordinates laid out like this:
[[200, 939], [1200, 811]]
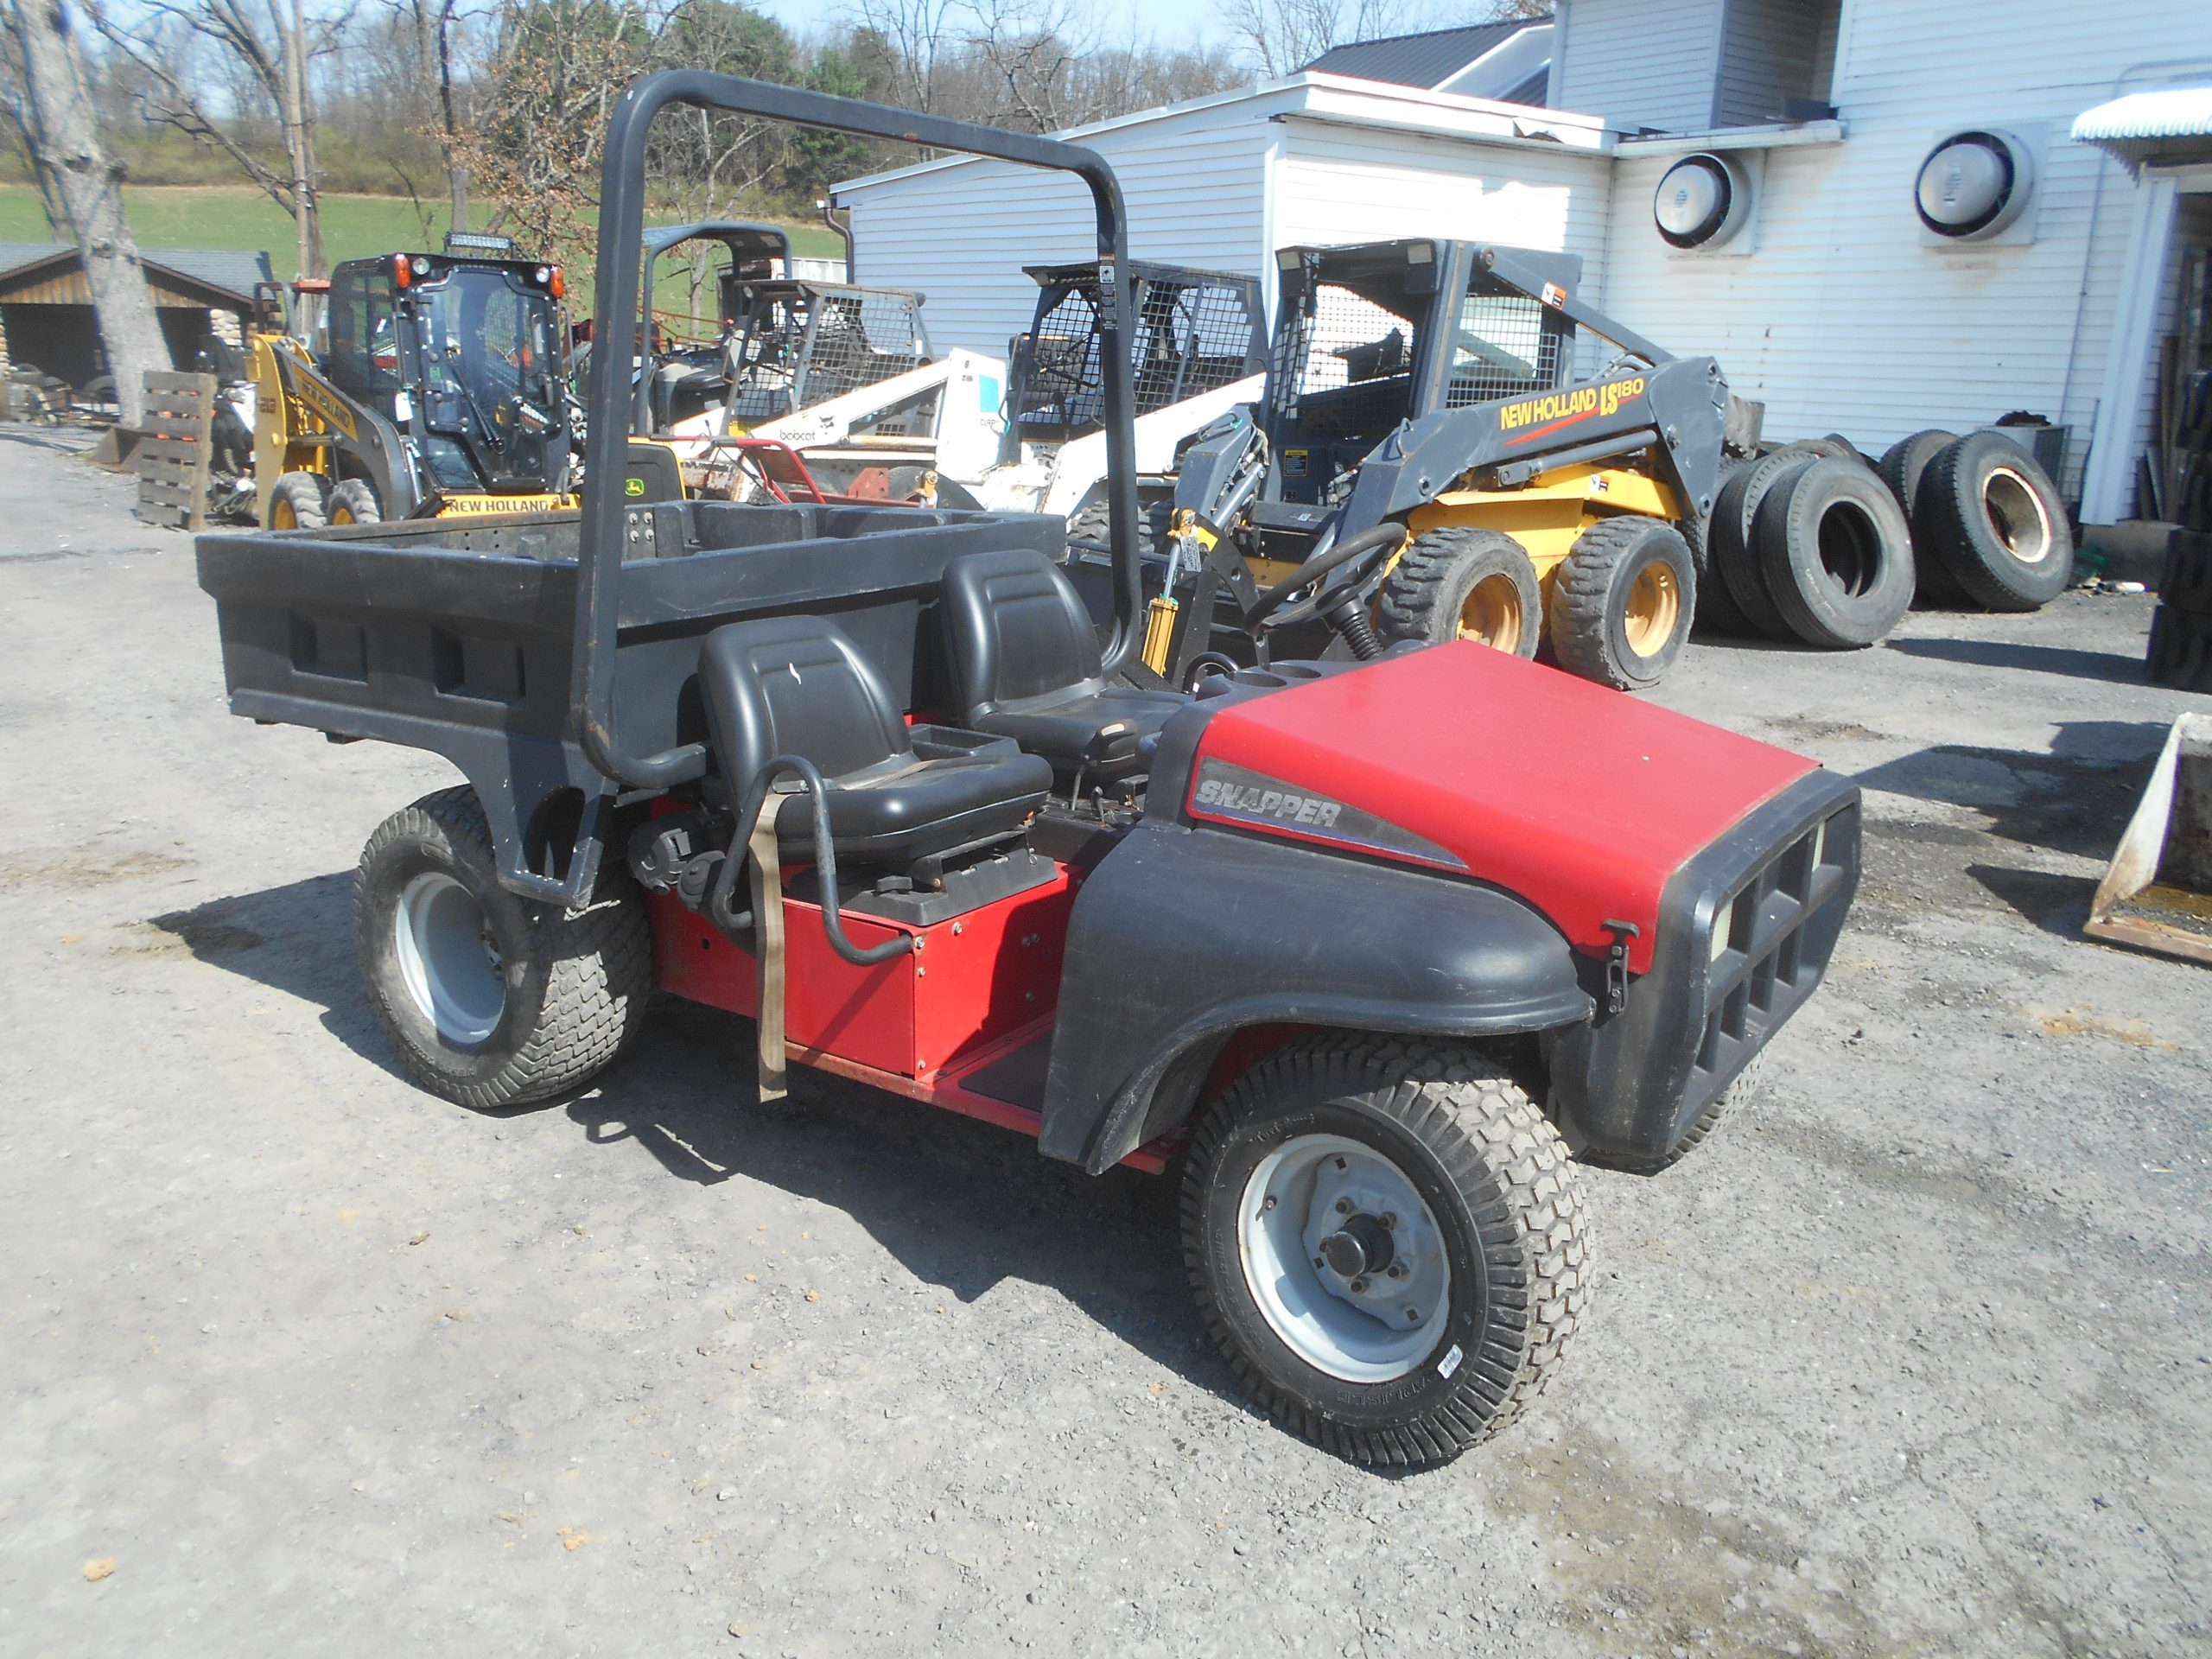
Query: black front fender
[[1182, 936]]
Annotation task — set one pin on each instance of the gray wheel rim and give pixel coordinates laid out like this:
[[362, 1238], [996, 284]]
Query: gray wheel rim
[[1372, 1327], [2017, 514], [447, 959]]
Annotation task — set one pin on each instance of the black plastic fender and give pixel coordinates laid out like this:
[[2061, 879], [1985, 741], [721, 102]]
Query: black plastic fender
[[1181, 937]]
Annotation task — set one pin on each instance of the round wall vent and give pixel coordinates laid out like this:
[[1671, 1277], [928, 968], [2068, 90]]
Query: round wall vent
[[1972, 185], [1702, 201]]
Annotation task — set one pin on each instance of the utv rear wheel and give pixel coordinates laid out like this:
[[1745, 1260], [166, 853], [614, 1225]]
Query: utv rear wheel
[[1384, 1237], [296, 502], [1622, 603], [490, 999], [1458, 582], [354, 502]]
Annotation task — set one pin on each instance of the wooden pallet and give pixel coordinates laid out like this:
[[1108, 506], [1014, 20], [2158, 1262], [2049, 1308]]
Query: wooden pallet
[[172, 457]]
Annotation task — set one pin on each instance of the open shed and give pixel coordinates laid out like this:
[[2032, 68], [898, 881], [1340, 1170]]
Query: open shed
[[45, 305]]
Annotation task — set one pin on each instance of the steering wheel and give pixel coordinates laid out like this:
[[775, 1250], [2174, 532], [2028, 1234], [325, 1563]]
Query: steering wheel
[[1360, 558]]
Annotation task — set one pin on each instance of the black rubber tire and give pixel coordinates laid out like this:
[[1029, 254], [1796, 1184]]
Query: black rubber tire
[[1837, 446], [1091, 522], [576, 983], [1956, 516], [1423, 595], [1717, 609], [1495, 1176], [1740, 1092], [1836, 553], [353, 501], [1587, 619], [303, 495], [1901, 468], [1733, 560]]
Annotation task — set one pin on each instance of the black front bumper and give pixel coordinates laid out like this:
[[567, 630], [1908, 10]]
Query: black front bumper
[[1745, 931]]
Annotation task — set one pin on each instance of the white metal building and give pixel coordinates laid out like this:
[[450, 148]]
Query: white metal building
[[1827, 295]]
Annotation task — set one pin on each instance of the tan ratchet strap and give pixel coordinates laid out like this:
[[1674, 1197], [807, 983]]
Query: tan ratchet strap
[[768, 943]]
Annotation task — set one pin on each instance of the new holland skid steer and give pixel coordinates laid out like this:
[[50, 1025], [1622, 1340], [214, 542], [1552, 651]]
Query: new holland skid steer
[[1368, 976], [1428, 456], [441, 391]]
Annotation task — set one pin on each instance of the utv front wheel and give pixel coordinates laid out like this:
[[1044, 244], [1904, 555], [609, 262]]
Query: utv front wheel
[[490, 999], [1384, 1237]]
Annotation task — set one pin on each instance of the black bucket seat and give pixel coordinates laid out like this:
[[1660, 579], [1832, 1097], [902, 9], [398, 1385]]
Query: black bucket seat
[[796, 685], [1024, 665]]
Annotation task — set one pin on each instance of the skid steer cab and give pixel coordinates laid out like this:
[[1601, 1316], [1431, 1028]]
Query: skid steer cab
[[1366, 977], [440, 389], [1451, 446]]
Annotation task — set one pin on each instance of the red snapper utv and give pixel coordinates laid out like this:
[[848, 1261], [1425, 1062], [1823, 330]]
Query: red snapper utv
[[1370, 974]]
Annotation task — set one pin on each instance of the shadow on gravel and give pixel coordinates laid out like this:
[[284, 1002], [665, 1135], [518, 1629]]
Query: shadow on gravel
[[962, 1204], [2076, 799], [2042, 659], [2057, 904]]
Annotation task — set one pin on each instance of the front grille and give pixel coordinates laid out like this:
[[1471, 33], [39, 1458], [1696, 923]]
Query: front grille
[[1761, 968]]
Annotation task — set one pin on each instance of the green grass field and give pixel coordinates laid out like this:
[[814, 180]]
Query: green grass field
[[190, 216]]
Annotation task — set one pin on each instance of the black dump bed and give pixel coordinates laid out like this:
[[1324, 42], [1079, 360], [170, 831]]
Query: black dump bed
[[458, 635]]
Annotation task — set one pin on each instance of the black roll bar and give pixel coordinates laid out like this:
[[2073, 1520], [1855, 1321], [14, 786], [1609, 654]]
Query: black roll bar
[[622, 230]]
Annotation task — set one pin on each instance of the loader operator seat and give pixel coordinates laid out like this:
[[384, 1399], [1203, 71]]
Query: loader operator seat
[[796, 685], [1024, 665]]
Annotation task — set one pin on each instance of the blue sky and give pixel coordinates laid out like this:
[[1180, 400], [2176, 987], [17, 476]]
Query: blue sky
[[1170, 22]]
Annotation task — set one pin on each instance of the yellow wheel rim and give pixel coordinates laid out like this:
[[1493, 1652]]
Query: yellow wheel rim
[[281, 516], [1492, 615], [341, 516], [1654, 606]]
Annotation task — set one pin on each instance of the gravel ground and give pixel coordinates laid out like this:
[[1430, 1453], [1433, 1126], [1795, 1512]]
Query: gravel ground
[[1914, 1358]]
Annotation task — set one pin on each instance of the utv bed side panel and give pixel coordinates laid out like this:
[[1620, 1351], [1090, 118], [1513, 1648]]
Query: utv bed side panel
[[459, 638]]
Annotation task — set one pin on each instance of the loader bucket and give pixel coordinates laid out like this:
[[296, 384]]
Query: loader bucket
[[2158, 892]]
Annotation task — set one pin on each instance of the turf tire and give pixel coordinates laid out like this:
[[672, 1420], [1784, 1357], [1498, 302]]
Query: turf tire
[[1960, 513], [1836, 553], [1507, 1199], [1588, 614], [576, 983], [1425, 591]]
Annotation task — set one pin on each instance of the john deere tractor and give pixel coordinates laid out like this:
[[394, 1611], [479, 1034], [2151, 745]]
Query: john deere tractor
[[1428, 451], [441, 391]]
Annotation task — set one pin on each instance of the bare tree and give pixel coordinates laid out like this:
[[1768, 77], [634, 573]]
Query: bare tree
[[265, 46], [913, 35], [54, 118], [1284, 36], [435, 23]]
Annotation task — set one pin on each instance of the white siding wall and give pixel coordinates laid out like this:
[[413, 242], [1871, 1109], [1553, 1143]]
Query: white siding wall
[[1841, 320], [1772, 50], [1193, 184], [1641, 63]]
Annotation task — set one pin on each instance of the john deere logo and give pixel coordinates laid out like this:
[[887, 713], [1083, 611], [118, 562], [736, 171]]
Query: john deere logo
[[634, 486]]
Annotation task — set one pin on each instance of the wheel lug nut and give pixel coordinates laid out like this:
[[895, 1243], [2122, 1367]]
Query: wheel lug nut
[[1397, 1269], [1359, 1286], [1269, 1203], [1344, 1206], [1389, 1220]]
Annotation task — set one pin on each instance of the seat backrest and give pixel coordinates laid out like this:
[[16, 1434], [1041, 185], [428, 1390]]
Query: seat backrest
[[1014, 627], [795, 685]]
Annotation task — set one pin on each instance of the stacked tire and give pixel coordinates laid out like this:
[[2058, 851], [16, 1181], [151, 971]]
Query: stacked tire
[[2181, 629], [1989, 528], [1805, 546]]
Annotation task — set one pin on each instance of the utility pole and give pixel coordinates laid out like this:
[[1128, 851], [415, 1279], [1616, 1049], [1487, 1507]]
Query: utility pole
[[75, 174], [298, 145]]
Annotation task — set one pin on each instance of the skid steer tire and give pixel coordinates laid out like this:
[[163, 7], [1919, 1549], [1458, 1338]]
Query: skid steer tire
[[1901, 469], [1995, 519], [298, 503], [1622, 601], [1461, 581], [1836, 553], [354, 502], [492, 1000], [1717, 610], [1734, 560], [1432, 1148]]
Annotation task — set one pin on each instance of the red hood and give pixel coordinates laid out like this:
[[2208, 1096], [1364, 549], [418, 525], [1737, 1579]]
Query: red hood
[[1578, 799]]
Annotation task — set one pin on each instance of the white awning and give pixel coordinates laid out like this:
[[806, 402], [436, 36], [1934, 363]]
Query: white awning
[[2169, 125]]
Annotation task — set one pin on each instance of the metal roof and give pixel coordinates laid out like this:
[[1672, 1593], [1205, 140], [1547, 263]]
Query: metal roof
[[231, 271], [1426, 60], [2167, 124]]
